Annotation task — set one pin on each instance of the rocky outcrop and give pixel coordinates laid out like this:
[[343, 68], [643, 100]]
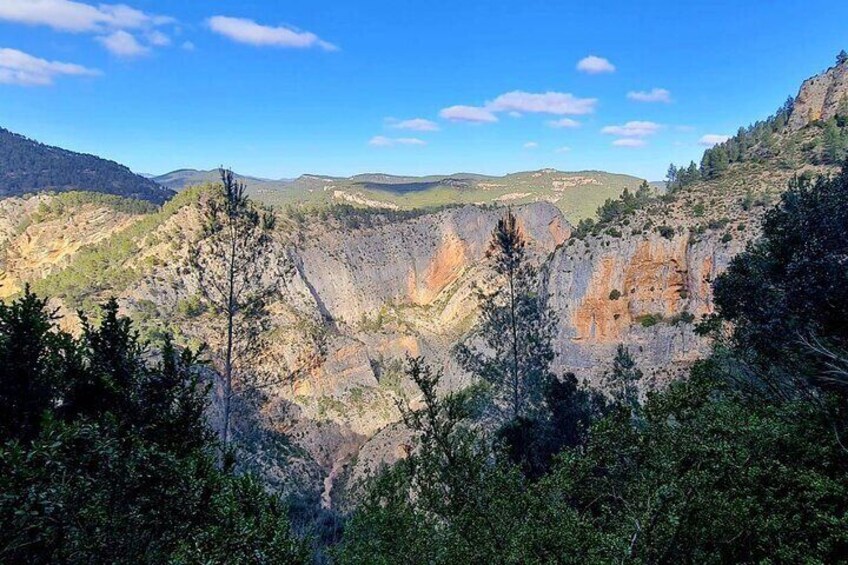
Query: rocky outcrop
[[821, 96], [412, 263], [34, 244], [643, 291]]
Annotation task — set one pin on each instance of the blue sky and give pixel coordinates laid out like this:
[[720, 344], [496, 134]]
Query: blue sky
[[280, 88]]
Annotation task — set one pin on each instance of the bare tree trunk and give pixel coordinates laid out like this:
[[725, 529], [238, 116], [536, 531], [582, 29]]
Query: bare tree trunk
[[516, 403], [228, 363]]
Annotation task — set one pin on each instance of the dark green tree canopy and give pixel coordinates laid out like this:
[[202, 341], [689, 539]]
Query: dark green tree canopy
[[28, 166], [105, 454], [791, 287]]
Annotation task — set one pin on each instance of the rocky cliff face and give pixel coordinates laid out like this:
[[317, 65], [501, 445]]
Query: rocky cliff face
[[36, 241], [644, 291], [821, 96], [356, 301]]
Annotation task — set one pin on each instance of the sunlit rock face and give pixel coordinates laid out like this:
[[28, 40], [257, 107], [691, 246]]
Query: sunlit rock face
[[642, 291], [820, 96]]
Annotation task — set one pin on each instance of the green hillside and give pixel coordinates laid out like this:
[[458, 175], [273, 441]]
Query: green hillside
[[27, 166], [577, 194]]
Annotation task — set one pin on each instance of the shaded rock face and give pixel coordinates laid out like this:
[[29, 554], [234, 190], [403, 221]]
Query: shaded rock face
[[412, 263], [820, 96]]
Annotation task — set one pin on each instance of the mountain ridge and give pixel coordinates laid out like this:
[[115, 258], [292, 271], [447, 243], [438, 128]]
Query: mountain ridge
[[28, 166], [577, 193]]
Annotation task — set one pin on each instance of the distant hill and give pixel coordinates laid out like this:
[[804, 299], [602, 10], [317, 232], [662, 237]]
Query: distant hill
[[577, 194], [183, 178], [27, 166]]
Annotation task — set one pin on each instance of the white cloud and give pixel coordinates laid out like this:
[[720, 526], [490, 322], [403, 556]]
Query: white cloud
[[531, 145], [122, 16], [562, 150], [415, 124], [654, 95], [109, 22], [123, 44], [518, 102], [243, 30], [472, 114], [633, 129], [628, 142], [188, 46], [564, 123], [67, 15], [557, 103], [383, 141], [17, 67], [158, 39], [594, 65], [712, 139]]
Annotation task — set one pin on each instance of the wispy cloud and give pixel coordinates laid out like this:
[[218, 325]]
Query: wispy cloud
[[562, 150], [114, 25], [629, 142], [531, 145], [711, 139], [594, 65], [564, 123], [243, 30], [470, 114], [415, 124], [19, 68], [519, 102], [188, 46], [653, 95], [123, 44], [557, 103], [67, 15], [383, 141], [633, 129], [158, 39]]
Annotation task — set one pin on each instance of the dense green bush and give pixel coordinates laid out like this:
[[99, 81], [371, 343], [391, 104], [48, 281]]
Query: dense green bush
[[666, 231], [106, 457]]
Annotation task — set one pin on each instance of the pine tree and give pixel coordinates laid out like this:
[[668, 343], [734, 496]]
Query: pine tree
[[232, 263], [623, 379], [834, 143], [671, 178], [515, 329]]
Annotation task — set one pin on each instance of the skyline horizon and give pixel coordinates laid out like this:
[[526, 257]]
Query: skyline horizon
[[323, 88]]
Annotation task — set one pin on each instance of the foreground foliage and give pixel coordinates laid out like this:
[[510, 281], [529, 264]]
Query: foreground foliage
[[105, 455]]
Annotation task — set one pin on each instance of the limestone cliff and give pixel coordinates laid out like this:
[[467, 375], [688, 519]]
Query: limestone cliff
[[37, 238], [820, 97]]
